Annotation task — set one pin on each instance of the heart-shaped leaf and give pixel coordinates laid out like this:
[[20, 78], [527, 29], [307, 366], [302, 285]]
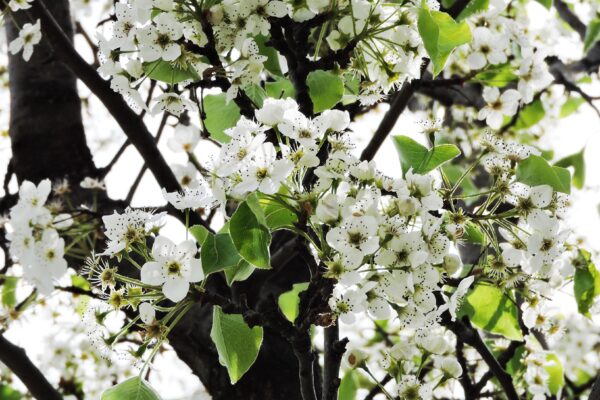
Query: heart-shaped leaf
[[421, 159], [250, 237], [133, 388], [237, 343], [535, 171], [441, 34]]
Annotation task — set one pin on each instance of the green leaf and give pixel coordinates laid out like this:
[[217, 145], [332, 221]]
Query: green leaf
[[199, 233], [256, 94], [441, 34], [281, 88], [239, 273], [237, 343], [545, 3], [515, 364], [8, 393], [250, 237], [490, 309], [348, 386], [473, 7], [497, 75], [556, 375], [271, 213], [131, 389], [351, 88], [535, 171], [454, 173], [9, 291], [80, 282], [164, 71], [578, 163], [272, 63], [592, 34], [218, 253], [325, 88], [289, 302], [530, 115], [422, 160], [473, 234], [571, 105], [277, 215], [586, 283], [219, 116]]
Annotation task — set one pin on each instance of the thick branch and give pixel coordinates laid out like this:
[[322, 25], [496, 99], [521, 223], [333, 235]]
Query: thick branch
[[132, 125], [570, 18], [389, 119], [17, 361], [46, 129], [334, 350], [470, 336]]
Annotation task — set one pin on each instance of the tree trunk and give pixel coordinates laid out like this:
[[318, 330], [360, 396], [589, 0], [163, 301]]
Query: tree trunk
[[48, 141], [46, 128]]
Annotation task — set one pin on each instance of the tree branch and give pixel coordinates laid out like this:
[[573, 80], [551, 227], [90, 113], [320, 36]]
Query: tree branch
[[334, 350], [132, 125], [389, 119], [570, 18], [470, 336], [17, 361], [464, 379]]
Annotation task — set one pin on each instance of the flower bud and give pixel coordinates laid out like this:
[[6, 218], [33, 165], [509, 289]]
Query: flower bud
[[449, 366], [434, 344], [452, 263], [328, 209], [354, 358], [407, 206], [215, 15]]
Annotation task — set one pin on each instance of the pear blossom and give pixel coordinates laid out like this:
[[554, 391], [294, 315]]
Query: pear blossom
[[16, 5], [147, 313], [498, 105], [158, 41], [487, 47], [174, 267], [29, 36], [356, 237], [123, 230], [265, 172], [184, 139]]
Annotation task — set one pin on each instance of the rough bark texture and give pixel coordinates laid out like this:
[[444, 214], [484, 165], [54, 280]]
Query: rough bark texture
[[274, 376], [46, 129], [48, 141]]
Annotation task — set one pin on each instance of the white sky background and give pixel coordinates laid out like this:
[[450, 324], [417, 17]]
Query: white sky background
[[171, 377]]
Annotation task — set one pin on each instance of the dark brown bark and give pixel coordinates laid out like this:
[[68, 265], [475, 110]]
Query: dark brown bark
[[16, 359], [275, 375], [46, 128]]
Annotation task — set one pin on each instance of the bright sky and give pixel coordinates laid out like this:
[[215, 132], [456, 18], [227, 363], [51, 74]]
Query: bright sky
[[171, 375]]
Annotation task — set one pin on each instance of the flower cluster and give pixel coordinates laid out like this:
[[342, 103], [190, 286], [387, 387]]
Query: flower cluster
[[35, 242], [143, 42]]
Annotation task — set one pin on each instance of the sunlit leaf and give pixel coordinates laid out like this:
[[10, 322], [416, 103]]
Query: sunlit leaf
[[289, 301], [489, 308], [421, 159], [131, 389], [220, 116], [250, 237], [441, 35], [535, 171], [237, 343], [576, 161]]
